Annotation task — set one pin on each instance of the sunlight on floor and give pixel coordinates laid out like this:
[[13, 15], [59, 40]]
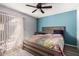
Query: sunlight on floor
[[20, 52]]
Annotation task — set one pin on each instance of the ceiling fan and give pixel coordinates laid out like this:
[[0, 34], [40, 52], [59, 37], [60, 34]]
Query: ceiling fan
[[40, 7]]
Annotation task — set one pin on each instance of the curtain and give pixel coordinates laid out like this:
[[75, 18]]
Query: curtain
[[11, 32]]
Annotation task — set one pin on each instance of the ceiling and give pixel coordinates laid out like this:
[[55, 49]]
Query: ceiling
[[56, 8]]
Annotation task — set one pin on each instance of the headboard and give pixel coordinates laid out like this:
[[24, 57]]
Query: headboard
[[54, 30]]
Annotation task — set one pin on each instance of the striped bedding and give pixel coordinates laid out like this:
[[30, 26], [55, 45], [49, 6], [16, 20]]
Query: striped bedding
[[50, 41]]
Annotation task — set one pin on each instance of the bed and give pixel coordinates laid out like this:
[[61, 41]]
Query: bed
[[48, 42]]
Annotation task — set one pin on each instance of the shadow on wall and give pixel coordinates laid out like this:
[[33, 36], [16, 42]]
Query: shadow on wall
[[70, 39]]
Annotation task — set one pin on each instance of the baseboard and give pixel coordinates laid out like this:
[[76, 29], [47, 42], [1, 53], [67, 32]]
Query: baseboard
[[71, 45]]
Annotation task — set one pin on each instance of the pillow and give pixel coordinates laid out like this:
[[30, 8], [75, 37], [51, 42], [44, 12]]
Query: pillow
[[47, 30], [59, 32], [42, 33]]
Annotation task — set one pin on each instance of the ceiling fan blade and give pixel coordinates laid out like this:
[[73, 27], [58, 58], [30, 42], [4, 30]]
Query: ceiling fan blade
[[34, 10], [47, 7], [31, 6], [41, 10]]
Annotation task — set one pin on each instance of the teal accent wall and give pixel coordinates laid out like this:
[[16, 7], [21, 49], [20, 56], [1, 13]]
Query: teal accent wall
[[67, 19]]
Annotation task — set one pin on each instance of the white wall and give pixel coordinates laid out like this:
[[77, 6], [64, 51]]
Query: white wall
[[29, 26], [78, 28]]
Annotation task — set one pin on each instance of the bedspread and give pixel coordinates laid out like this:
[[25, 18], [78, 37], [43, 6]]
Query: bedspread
[[51, 41]]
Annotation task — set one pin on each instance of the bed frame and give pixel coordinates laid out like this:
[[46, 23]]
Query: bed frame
[[54, 30], [40, 50]]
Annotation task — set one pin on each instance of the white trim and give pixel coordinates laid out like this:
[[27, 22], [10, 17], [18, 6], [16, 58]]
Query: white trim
[[71, 45], [72, 52]]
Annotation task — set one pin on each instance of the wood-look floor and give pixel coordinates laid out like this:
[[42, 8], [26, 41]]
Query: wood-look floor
[[71, 51]]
